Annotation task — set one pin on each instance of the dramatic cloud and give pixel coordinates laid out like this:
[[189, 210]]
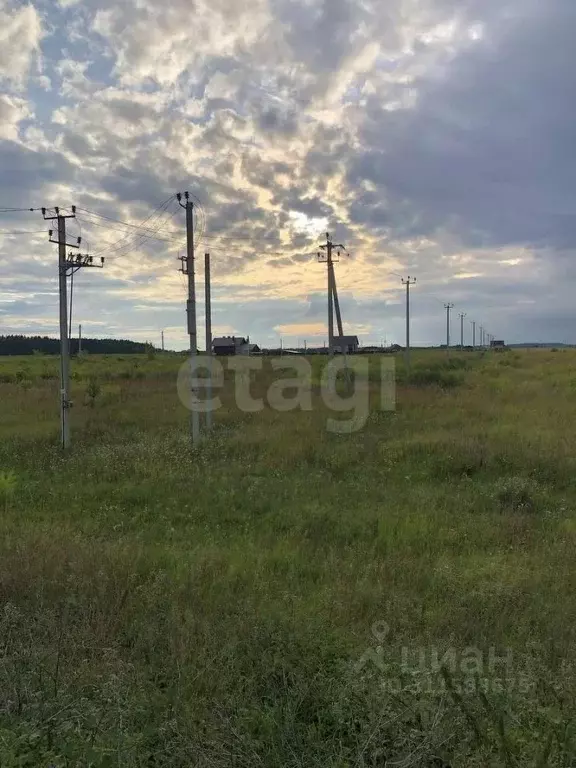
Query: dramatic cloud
[[432, 137]]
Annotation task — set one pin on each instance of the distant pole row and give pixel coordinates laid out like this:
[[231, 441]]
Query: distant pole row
[[485, 338]]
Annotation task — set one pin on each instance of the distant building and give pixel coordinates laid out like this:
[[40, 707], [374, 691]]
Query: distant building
[[497, 344], [234, 345], [346, 345], [229, 345]]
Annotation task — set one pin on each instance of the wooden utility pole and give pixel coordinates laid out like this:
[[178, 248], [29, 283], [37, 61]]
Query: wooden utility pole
[[67, 265], [188, 269], [79, 339], [462, 316], [162, 334], [408, 282]]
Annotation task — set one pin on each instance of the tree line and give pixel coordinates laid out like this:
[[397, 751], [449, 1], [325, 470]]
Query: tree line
[[30, 345]]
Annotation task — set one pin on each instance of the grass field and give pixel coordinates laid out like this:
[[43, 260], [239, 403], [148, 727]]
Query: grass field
[[284, 596]]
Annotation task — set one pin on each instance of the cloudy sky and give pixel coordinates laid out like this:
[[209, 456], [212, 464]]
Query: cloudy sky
[[435, 138]]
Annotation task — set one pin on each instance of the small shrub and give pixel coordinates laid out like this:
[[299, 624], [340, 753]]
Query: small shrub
[[8, 484], [435, 377], [516, 494], [92, 391], [456, 364]]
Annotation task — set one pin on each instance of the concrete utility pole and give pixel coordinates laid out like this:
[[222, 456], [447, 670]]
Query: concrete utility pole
[[208, 309], [67, 265], [462, 315], [408, 282], [473, 324], [448, 307], [336, 302], [188, 269], [327, 257], [79, 339]]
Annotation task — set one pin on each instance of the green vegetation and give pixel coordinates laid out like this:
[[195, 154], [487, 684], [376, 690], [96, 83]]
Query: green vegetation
[[284, 596]]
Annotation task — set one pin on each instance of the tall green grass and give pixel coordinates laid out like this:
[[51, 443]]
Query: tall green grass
[[284, 596]]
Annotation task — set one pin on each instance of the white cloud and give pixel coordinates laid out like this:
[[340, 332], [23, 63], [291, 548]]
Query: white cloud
[[12, 111], [20, 35]]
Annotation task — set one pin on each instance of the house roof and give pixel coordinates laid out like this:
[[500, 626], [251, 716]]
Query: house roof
[[228, 341]]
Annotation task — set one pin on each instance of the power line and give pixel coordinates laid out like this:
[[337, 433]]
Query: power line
[[90, 223], [131, 241], [115, 221], [23, 232], [18, 210], [157, 211]]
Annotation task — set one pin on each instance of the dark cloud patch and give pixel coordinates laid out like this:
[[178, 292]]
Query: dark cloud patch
[[487, 149], [276, 121], [23, 172]]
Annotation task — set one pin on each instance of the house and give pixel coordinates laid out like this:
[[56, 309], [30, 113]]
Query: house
[[497, 344], [234, 345], [346, 345], [229, 345]]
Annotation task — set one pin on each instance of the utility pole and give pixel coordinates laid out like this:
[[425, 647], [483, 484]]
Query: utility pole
[[481, 337], [473, 324], [328, 258], [208, 310], [408, 282], [462, 316], [80, 339], [188, 269], [336, 302], [67, 265], [162, 341], [448, 307]]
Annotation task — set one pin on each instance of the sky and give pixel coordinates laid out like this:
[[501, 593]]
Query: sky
[[433, 138]]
